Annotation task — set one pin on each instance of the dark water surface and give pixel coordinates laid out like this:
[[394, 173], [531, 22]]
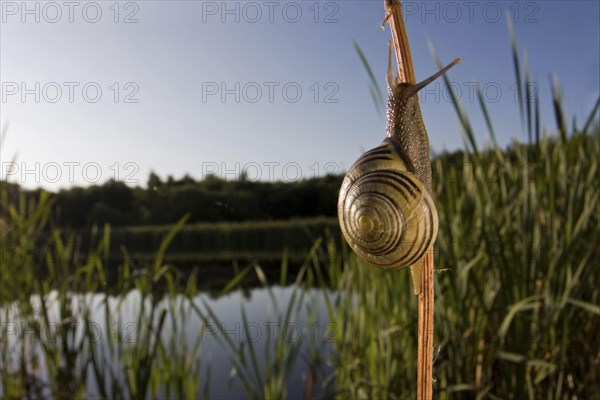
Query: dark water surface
[[307, 330]]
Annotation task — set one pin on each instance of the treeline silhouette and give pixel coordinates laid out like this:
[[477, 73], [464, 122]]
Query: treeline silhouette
[[164, 202], [210, 200]]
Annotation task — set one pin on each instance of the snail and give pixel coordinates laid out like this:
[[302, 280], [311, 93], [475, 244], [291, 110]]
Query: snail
[[385, 207]]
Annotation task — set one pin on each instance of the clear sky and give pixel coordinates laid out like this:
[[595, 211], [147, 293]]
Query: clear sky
[[105, 89]]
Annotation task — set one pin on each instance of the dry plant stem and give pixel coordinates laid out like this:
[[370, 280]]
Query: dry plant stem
[[425, 331], [406, 70]]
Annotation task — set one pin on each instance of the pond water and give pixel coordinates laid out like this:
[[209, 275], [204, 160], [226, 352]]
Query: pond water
[[250, 320]]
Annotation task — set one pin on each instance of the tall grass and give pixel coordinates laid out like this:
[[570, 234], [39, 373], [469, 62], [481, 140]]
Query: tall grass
[[517, 293], [51, 344]]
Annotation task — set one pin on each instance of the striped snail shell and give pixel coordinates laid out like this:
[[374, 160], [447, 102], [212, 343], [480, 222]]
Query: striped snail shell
[[386, 214]]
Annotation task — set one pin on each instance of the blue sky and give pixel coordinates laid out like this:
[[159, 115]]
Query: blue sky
[[273, 88]]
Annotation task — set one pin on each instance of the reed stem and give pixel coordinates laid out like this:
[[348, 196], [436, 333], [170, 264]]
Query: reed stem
[[425, 331], [393, 9]]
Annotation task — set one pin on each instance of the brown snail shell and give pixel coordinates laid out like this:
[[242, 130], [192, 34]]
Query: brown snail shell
[[386, 214]]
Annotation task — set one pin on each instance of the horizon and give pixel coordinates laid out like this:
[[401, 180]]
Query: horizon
[[175, 180]]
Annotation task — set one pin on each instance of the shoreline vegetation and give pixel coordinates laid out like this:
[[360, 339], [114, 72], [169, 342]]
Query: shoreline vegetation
[[516, 284], [517, 295]]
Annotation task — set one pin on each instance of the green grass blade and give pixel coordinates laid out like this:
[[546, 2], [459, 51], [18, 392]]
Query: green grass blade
[[378, 98]]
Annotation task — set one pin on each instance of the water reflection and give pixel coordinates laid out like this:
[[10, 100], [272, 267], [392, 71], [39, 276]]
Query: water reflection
[[205, 332]]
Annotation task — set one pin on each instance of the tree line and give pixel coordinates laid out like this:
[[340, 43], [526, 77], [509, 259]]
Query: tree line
[[210, 200], [214, 199]]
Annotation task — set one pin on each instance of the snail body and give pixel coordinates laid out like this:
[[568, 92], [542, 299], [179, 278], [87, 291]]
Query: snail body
[[385, 208]]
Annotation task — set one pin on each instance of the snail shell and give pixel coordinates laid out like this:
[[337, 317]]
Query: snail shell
[[386, 214]]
